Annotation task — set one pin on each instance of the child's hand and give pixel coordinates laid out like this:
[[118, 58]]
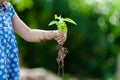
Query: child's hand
[[60, 37]]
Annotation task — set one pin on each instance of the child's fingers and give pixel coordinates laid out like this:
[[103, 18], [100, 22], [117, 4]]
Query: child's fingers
[[61, 39]]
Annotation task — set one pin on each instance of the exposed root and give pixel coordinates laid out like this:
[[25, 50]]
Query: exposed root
[[60, 58]]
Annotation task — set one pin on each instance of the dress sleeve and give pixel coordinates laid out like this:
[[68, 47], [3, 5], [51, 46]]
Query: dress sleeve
[[11, 10]]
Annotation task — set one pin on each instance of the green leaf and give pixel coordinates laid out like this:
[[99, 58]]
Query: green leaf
[[56, 17], [70, 21], [52, 23]]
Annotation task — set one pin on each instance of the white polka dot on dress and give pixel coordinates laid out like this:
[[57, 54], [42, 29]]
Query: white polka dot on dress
[[6, 35], [12, 55], [2, 60], [1, 25], [4, 76], [2, 66], [0, 19], [0, 72], [12, 40], [3, 47]]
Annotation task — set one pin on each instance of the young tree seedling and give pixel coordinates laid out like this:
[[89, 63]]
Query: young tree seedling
[[62, 28]]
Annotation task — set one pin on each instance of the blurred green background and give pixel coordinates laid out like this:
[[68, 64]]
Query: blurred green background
[[94, 44]]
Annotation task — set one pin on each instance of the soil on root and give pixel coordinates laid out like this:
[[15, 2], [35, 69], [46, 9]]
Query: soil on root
[[60, 58]]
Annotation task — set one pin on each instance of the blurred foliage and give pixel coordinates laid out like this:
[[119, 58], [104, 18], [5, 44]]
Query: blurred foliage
[[93, 44]]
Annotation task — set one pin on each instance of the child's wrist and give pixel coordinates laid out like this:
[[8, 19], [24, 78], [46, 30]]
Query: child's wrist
[[54, 34]]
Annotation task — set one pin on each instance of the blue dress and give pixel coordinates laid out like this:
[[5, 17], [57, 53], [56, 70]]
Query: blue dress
[[9, 63]]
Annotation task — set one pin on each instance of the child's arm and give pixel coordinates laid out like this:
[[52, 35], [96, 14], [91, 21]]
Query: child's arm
[[35, 35]]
